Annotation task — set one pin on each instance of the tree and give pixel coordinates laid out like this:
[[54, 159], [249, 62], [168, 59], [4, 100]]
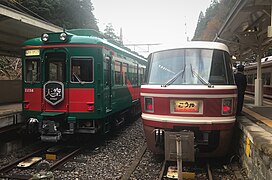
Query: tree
[[200, 26], [65, 13], [109, 32], [215, 15]]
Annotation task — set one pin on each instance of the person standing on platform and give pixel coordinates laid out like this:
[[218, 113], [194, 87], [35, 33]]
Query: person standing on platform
[[241, 83]]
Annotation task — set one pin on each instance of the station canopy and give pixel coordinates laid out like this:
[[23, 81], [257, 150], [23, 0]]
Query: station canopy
[[16, 27], [246, 29]]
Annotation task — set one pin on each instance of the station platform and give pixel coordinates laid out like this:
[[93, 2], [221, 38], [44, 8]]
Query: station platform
[[10, 116], [255, 139]]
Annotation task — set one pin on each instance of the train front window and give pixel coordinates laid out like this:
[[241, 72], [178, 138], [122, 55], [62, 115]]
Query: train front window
[[32, 70], [55, 67], [189, 66], [81, 70]]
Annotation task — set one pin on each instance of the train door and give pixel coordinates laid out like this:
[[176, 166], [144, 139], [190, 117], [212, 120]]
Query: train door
[[81, 91], [55, 95], [107, 83]]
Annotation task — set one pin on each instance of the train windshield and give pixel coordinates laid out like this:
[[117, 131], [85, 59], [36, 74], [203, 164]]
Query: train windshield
[[190, 67], [32, 70]]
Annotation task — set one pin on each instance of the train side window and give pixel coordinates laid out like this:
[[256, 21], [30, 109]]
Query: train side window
[[125, 73], [266, 78], [250, 79], [81, 70], [107, 69], [133, 74], [117, 73], [32, 70], [141, 76]]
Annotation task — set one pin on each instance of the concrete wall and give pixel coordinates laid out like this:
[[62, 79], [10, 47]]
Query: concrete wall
[[10, 91]]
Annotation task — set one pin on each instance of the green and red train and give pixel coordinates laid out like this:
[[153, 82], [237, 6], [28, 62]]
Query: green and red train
[[77, 81]]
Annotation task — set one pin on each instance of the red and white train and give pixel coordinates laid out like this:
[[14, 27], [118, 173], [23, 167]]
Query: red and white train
[[251, 73], [190, 92]]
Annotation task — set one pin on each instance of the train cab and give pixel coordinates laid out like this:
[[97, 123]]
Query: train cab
[[190, 89]]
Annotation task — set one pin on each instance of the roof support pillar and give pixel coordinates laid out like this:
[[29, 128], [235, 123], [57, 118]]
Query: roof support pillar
[[269, 30], [258, 84]]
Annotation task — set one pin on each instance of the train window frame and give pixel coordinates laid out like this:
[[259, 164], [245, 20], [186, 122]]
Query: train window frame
[[59, 60], [133, 74], [266, 76], [141, 75], [250, 79], [118, 73], [38, 79], [125, 73], [74, 75]]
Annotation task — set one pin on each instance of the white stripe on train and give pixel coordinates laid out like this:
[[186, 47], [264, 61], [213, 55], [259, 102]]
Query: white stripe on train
[[188, 120]]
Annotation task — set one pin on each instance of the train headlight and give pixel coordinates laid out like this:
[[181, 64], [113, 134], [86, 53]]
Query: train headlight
[[45, 37], [148, 104], [227, 105], [63, 36]]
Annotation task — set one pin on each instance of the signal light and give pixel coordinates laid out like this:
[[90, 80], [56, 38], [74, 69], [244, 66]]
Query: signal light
[[148, 104], [227, 106]]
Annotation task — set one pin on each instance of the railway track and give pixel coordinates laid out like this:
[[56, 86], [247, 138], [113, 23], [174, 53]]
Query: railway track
[[39, 162], [203, 171]]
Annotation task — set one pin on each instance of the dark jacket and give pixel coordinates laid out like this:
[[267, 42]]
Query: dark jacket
[[241, 82]]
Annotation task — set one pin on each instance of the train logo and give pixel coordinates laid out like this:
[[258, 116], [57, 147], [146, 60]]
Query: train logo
[[53, 92]]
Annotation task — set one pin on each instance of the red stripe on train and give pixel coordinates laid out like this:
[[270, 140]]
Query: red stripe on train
[[202, 127]]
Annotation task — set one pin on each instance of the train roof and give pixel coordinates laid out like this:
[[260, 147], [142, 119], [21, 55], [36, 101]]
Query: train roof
[[266, 61], [84, 36], [196, 45]]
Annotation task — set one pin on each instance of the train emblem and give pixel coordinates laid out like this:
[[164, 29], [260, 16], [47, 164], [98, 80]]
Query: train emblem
[[53, 92]]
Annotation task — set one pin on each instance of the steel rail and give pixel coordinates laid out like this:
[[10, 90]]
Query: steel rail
[[64, 159]]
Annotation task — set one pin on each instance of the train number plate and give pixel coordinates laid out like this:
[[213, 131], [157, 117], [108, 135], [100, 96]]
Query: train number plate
[[186, 106]]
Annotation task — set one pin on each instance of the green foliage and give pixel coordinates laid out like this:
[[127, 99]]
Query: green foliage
[[109, 32], [70, 14]]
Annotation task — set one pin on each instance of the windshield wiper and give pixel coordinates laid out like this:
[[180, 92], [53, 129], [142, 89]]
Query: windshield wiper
[[77, 78], [200, 78], [173, 79]]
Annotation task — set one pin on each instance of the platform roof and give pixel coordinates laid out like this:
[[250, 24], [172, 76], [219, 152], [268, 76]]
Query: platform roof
[[245, 30], [16, 27]]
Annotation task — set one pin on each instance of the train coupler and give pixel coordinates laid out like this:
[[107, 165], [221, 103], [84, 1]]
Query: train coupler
[[49, 132]]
